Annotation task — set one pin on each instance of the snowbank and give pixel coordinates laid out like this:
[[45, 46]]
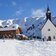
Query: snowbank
[[27, 48]]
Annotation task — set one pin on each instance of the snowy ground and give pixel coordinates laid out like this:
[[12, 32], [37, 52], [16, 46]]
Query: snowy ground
[[27, 48]]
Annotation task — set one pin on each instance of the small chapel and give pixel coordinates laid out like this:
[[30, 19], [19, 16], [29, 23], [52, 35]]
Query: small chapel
[[48, 31]]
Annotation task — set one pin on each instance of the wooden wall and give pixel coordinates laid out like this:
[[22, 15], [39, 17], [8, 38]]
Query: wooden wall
[[10, 33]]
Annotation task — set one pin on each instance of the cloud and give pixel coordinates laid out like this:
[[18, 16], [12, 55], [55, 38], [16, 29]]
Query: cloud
[[19, 12], [14, 3], [38, 13]]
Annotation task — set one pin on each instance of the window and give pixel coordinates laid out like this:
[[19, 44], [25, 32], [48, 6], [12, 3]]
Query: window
[[53, 37], [13, 27], [48, 29], [1, 27], [49, 38], [44, 36], [5, 26]]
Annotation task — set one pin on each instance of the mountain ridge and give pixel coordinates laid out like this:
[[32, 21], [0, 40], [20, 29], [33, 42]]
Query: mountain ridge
[[30, 26]]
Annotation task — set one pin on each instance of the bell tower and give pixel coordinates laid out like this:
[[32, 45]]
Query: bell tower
[[48, 14]]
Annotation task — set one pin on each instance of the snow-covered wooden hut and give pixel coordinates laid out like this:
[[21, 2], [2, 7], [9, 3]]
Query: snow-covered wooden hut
[[9, 31]]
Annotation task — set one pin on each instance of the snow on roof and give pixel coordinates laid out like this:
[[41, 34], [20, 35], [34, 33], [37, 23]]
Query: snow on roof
[[49, 11], [14, 25], [6, 29], [11, 27]]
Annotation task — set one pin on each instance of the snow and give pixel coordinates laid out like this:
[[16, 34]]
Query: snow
[[10, 21], [7, 29], [27, 48], [6, 48], [1, 22], [14, 25], [49, 11]]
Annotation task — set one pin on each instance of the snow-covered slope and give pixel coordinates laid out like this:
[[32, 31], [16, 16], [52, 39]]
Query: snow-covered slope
[[32, 26], [6, 22], [27, 48]]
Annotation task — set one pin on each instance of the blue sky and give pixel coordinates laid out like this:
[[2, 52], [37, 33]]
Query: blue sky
[[12, 9]]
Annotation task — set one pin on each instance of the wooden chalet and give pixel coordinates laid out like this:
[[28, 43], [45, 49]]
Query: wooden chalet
[[9, 32]]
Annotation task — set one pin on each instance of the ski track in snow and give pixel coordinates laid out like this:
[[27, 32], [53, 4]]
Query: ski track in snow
[[27, 48]]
